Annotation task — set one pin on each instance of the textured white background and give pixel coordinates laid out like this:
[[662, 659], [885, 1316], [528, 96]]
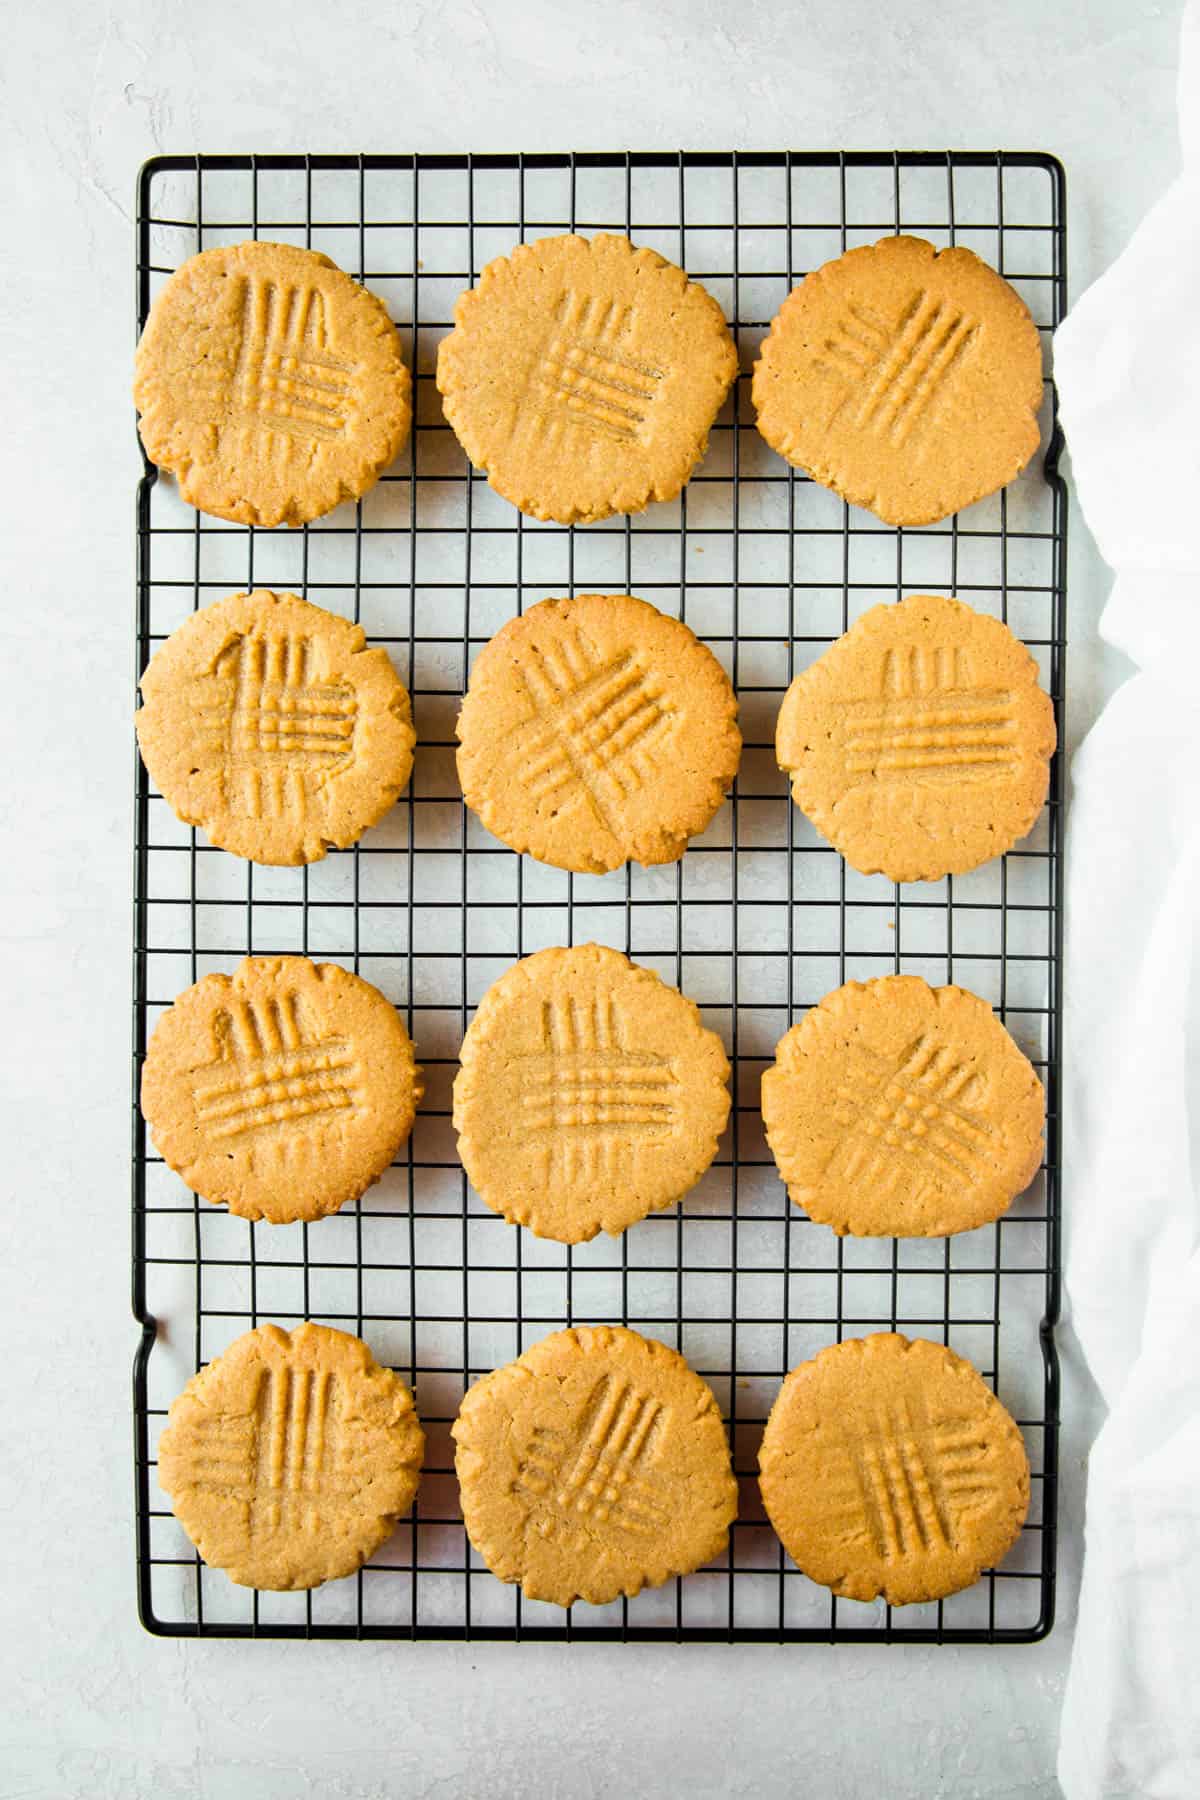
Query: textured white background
[[88, 1706]]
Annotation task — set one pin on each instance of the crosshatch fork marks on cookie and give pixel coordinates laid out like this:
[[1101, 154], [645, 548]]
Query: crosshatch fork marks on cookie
[[599, 1467], [280, 1458], [589, 375], [599, 727], [904, 1488], [269, 1073], [280, 730], [286, 378], [587, 1097], [917, 1113], [894, 373], [928, 718]]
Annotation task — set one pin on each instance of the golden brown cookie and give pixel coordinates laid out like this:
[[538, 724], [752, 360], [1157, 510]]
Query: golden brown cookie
[[289, 1459], [282, 1091], [270, 384], [889, 1467], [920, 742], [905, 378], [894, 1109], [584, 376], [595, 731], [594, 1466], [268, 722], [589, 1094]]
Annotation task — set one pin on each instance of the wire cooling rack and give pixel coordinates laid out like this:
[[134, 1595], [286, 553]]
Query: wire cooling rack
[[757, 922]]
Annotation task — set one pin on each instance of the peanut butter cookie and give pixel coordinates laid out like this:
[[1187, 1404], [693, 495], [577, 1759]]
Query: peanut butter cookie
[[894, 1109], [595, 731], [589, 1095], [920, 742], [271, 724], [584, 376], [270, 384], [594, 1466], [289, 1459], [889, 1467], [282, 1091], [905, 378]]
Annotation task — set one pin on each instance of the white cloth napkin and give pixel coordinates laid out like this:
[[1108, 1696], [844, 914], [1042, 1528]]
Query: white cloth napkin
[[1127, 362]]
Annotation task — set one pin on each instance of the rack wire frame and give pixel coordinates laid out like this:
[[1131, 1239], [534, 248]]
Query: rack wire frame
[[757, 921]]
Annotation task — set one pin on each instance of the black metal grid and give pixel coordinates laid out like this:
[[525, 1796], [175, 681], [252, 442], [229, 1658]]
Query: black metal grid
[[758, 920]]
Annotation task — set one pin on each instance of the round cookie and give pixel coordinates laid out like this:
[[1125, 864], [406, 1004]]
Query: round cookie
[[589, 1094], [889, 1467], [595, 731], [289, 1458], [894, 1109], [594, 1466], [269, 723], [584, 376], [282, 1091], [905, 378], [919, 743], [270, 384]]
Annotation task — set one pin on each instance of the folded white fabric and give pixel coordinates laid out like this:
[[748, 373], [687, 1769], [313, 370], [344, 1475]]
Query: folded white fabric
[[1127, 362]]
